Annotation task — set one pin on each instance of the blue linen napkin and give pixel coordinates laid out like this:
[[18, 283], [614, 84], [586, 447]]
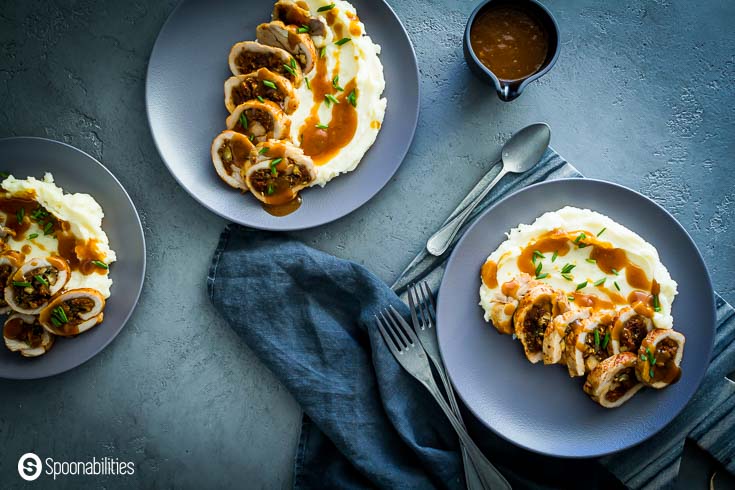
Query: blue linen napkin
[[309, 318]]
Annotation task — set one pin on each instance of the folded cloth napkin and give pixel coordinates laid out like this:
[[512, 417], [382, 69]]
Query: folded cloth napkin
[[309, 318]]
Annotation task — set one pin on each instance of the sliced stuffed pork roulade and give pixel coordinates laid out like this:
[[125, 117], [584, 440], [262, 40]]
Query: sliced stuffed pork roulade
[[290, 13], [10, 262], [589, 343], [660, 355], [231, 156], [288, 38], [534, 314], [613, 381], [249, 56], [561, 326], [262, 85], [73, 312], [259, 121], [504, 304], [277, 180], [24, 334], [629, 330], [31, 287]]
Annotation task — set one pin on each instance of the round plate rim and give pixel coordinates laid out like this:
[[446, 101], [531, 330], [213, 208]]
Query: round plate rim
[[127, 316], [711, 293], [387, 176]]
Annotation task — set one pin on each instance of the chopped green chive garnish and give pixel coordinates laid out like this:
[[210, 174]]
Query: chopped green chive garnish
[[252, 138], [60, 314], [570, 298], [20, 214], [100, 264], [260, 99], [543, 276], [48, 228], [270, 84], [33, 236], [331, 98], [343, 41], [567, 277], [591, 261], [323, 52], [643, 358], [556, 254], [616, 285], [243, 120], [538, 268], [651, 373], [581, 285], [538, 254], [263, 150], [303, 29], [308, 83], [581, 236], [567, 268], [41, 279], [325, 8], [292, 63], [290, 70], [597, 338], [602, 231], [273, 164], [20, 284], [270, 190], [606, 340], [335, 83], [322, 126], [600, 282], [614, 271], [352, 99], [56, 322], [656, 304]]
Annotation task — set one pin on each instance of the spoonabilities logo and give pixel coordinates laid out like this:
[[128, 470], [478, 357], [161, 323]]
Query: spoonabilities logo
[[29, 466]]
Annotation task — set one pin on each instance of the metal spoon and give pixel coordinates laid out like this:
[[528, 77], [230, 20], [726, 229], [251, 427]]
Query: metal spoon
[[520, 153]]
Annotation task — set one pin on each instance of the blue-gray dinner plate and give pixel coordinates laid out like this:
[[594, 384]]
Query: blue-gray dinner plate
[[540, 407], [75, 171], [185, 104]]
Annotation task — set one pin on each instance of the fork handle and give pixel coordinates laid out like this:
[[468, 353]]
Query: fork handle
[[489, 475]]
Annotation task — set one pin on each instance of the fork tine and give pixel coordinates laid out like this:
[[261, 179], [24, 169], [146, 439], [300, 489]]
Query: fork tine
[[409, 331], [419, 308], [397, 316], [429, 303], [387, 338], [412, 307], [397, 329], [400, 341], [422, 305]]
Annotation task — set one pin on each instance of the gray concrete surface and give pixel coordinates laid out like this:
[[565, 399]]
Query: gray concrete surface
[[641, 95]]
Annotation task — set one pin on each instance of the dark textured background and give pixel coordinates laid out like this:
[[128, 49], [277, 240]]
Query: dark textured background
[[642, 95]]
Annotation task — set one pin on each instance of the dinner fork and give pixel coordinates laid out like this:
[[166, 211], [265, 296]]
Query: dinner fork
[[407, 350], [422, 316]]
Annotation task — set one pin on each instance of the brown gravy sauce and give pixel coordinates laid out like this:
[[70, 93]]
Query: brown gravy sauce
[[489, 274], [79, 254], [509, 41]]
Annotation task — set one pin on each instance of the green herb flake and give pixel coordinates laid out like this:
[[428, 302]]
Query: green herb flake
[[48, 228], [60, 314], [651, 373], [322, 126], [656, 304], [292, 63], [580, 237], [600, 282], [330, 98], [263, 150], [581, 285], [617, 286], [602, 231], [643, 358], [614, 271], [260, 99], [273, 164], [538, 254], [342, 41], [538, 268], [303, 29], [243, 120], [290, 70], [325, 8], [270, 84], [335, 83], [567, 277], [323, 52], [543, 276], [20, 214], [570, 298], [352, 99], [33, 236], [22, 284], [308, 83], [556, 254], [591, 261], [100, 264], [606, 340], [567, 268], [597, 338], [41, 279], [270, 190]]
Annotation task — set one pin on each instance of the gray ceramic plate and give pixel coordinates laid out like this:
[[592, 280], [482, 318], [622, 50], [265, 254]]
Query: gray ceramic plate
[[539, 407], [75, 171], [184, 99]]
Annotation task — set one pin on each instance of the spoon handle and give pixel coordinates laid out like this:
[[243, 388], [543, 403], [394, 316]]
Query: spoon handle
[[440, 241]]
